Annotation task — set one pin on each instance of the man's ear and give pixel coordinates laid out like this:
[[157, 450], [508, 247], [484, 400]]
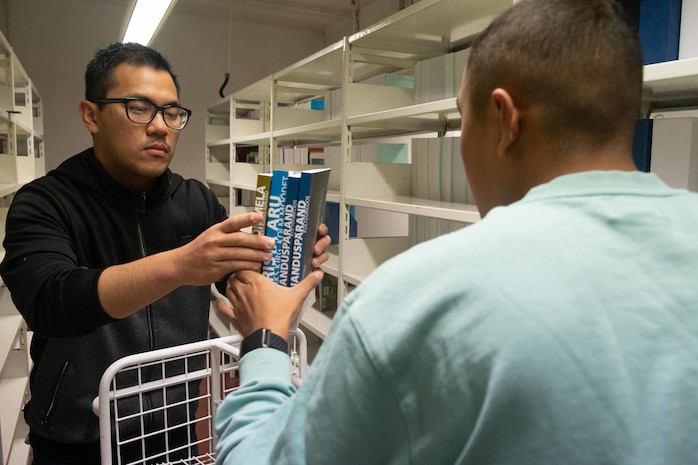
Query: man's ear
[[509, 118], [88, 115]]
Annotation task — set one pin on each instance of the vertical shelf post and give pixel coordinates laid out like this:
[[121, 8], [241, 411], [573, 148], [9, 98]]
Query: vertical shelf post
[[345, 153]]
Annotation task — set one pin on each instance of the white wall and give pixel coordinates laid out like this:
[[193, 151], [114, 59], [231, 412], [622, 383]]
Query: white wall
[[371, 12], [55, 39], [3, 16]]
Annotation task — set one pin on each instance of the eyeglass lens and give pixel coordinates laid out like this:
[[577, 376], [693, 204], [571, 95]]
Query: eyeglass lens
[[144, 112]]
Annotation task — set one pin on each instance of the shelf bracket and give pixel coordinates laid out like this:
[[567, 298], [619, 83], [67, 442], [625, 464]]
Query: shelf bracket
[[442, 132]]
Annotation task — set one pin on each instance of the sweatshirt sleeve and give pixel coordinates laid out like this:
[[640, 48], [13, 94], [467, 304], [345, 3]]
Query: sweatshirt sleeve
[[343, 413], [249, 419], [40, 268]]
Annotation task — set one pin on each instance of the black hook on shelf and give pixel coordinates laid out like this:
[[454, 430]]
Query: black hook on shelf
[[225, 83]]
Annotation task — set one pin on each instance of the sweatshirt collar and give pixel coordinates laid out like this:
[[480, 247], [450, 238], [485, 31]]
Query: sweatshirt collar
[[84, 169], [592, 183]]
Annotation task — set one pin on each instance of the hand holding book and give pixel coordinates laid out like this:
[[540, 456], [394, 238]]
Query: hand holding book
[[257, 302], [320, 256], [292, 204]]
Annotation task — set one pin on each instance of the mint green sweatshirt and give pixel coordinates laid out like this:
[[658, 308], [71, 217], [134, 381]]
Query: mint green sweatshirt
[[562, 329]]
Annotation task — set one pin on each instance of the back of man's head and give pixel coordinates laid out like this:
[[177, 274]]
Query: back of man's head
[[578, 61], [99, 75]]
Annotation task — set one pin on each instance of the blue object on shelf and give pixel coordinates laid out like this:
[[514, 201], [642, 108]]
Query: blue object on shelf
[[642, 144], [331, 220], [660, 25]]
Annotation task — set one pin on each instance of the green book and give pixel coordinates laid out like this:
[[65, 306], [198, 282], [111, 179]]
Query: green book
[[261, 201]]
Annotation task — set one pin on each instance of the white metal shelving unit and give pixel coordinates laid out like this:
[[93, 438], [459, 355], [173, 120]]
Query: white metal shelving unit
[[21, 160], [671, 84], [360, 111], [237, 121]]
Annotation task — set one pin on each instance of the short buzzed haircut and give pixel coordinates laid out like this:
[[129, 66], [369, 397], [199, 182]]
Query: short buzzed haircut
[[579, 61], [99, 75]]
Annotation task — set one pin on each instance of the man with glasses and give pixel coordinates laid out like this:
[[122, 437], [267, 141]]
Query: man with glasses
[[112, 254]]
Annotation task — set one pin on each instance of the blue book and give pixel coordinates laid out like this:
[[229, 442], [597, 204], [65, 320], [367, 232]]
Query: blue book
[[275, 221], [642, 144], [660, 25], [287, 235], [331, 220], [312, 192]]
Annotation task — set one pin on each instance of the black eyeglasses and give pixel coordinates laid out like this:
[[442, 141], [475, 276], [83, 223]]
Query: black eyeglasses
[[143, 111]]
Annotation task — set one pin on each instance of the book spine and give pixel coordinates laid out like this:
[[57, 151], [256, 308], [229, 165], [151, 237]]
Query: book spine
[[300, 229], [261, 201], [315, 200], [287, 236], [311, 204], [642, 144], [275, 221]]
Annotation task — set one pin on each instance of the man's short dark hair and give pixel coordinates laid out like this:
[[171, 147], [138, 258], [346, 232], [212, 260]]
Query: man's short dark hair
[[99, 75], [577, 61]]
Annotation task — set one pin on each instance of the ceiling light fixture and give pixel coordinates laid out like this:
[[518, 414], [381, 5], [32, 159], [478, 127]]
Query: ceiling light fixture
[[144, 20]]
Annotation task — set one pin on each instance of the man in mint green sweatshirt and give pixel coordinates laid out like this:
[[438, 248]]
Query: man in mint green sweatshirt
[[560, 329]]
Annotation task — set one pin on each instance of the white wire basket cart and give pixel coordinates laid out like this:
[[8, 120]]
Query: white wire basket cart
[[166, 400]]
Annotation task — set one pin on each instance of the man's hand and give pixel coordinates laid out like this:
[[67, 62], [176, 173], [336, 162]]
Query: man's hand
[[320, 254], [223, 249], [220, 250], [260, 303]]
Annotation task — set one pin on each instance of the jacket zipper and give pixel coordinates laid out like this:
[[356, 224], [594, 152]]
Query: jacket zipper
[[141, 242], [148, 308], [52, 405]]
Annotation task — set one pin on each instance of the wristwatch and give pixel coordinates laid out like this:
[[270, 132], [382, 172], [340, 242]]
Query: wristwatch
[[263, 338]]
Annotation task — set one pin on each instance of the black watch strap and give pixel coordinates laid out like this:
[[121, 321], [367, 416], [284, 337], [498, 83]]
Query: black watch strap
[[263, 338]]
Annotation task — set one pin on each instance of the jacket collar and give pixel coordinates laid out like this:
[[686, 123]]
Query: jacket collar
[[84, 169]]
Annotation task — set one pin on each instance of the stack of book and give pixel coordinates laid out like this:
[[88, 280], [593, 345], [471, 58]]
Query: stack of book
[[302, 155], [439, 77], [292, 204], [437, 174]]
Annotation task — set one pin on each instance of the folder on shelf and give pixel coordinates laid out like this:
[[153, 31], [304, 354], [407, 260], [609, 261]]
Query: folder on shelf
[[660, 25], [331, 220], [642, 144]]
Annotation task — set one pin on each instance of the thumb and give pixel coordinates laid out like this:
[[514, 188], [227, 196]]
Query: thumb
[[309, 282], [237, 222]]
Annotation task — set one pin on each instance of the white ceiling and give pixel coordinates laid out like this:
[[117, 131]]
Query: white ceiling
[[307, 14], [328, 7]]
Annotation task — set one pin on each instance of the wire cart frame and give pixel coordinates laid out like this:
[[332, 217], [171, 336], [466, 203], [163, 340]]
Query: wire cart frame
[[166, 400]]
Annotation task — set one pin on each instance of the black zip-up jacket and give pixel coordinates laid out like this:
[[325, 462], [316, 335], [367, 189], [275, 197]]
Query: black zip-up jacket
[[62, 231]]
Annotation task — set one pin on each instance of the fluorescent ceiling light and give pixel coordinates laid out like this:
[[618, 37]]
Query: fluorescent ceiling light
[[145, 20]]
